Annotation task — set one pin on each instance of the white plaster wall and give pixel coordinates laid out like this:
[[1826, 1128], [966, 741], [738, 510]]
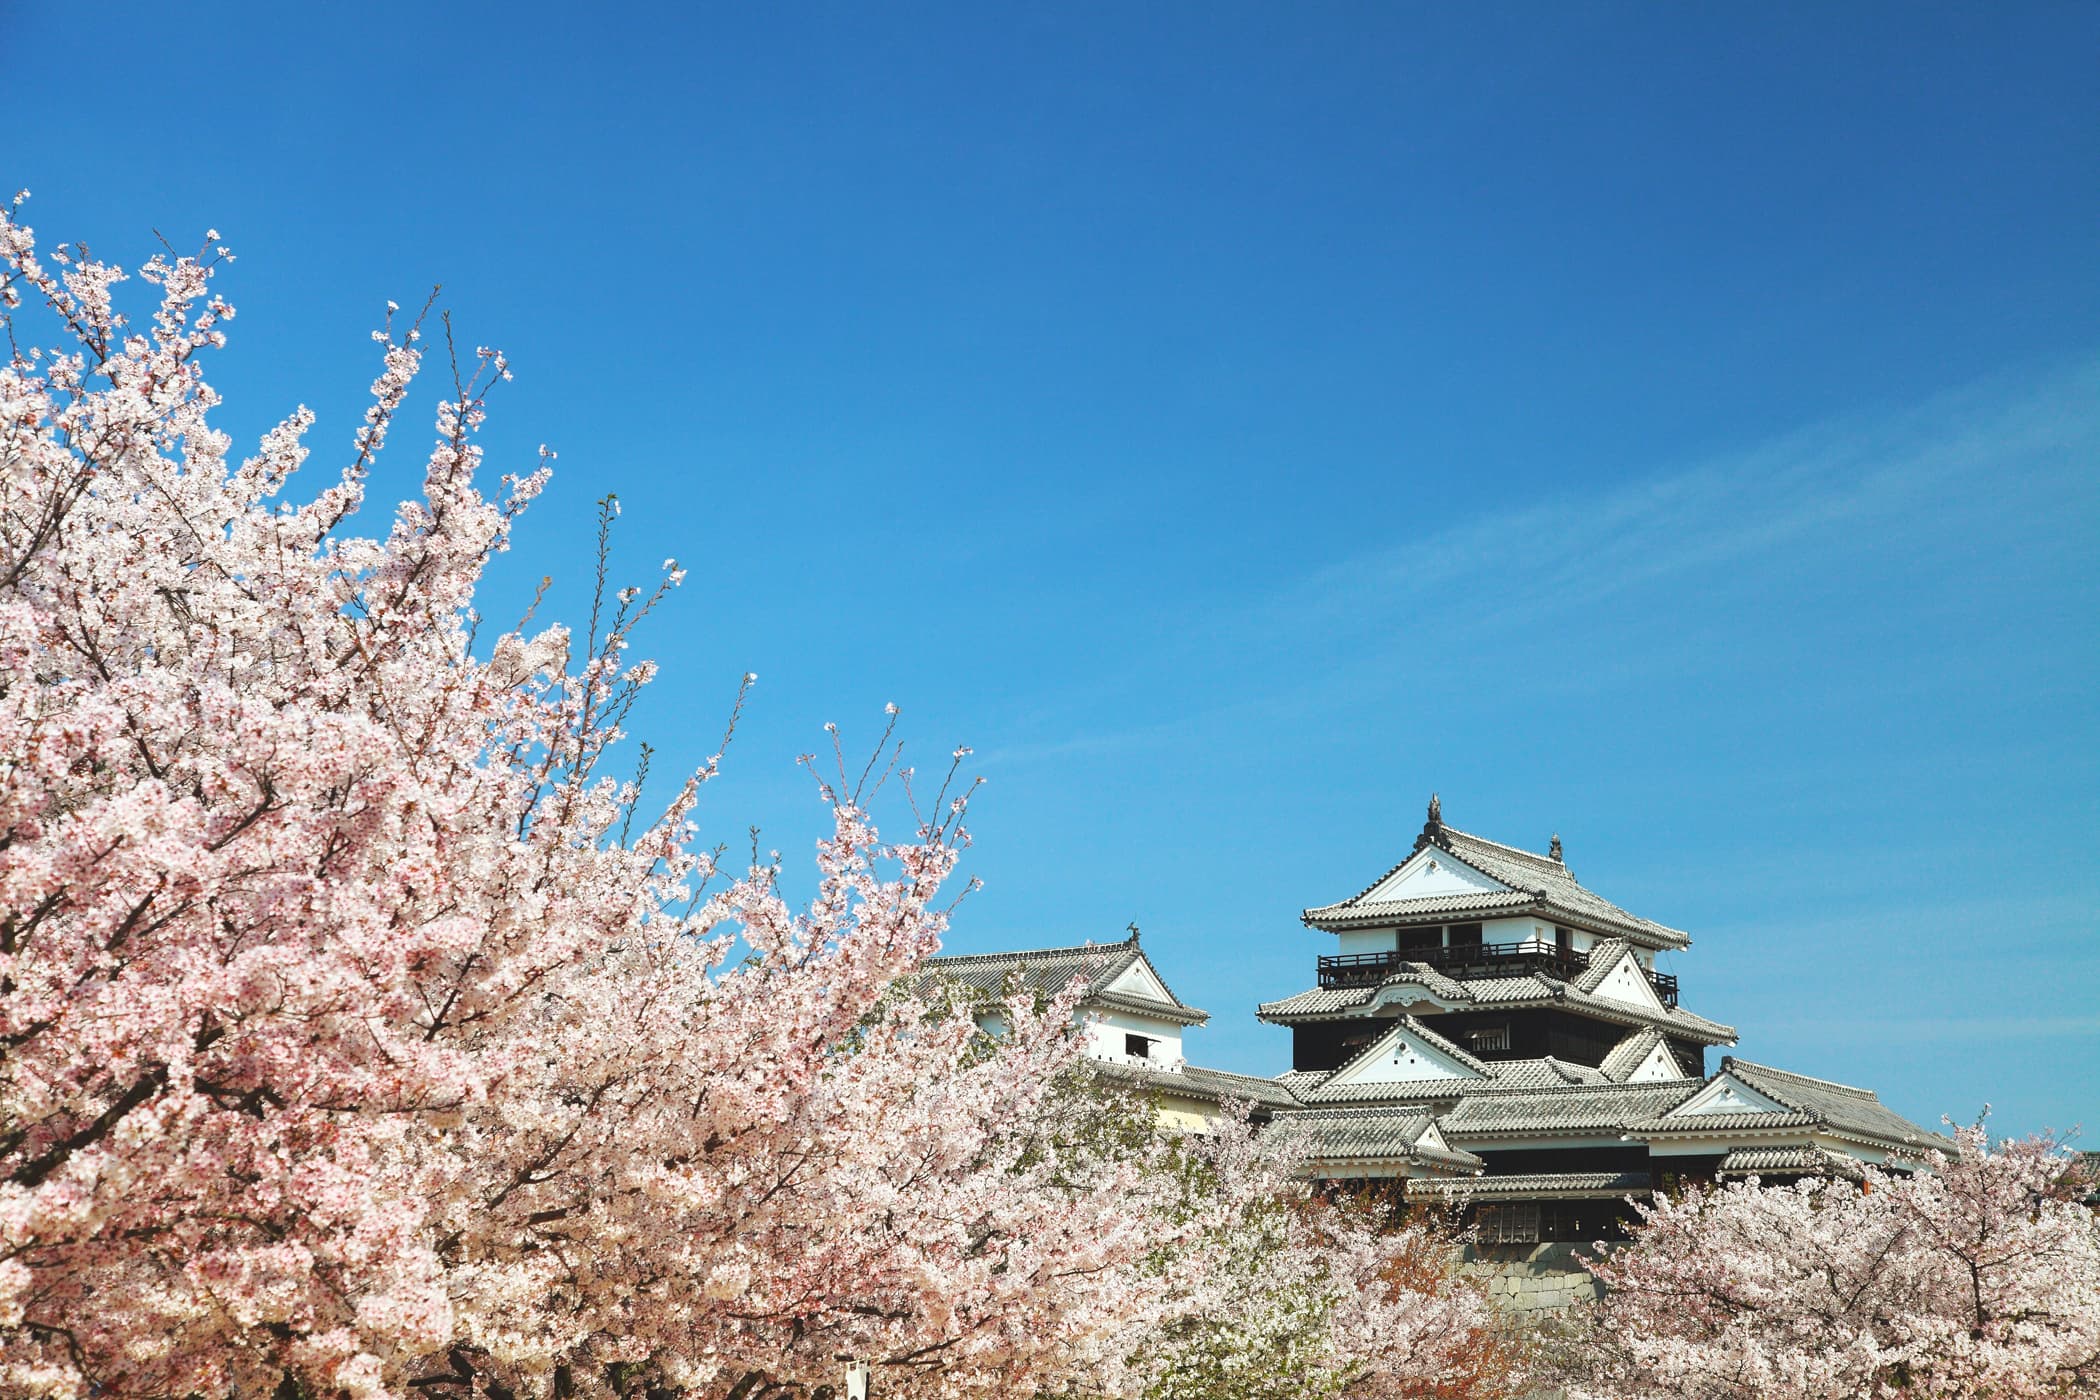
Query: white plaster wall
[[1432, 872], [1660, 1065], [1106, 1029], [1727, 1094], [1368, 940], [1511, 931], [1139, 980], [1180, 1115], [1626, 984], [1858, 1150], [1402, 1058]]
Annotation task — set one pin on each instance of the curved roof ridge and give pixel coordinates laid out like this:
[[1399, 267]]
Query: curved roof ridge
[[1733, 1062], [1547, 864], [1604, 960], [1404, 1112], [1020, 954], [1529, 881], [1410, 1025], [1589, 1086]]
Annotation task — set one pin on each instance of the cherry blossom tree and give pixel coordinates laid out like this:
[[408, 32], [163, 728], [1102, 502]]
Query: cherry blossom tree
[[1292, 1296], [359, 1034], [1978, 1277]]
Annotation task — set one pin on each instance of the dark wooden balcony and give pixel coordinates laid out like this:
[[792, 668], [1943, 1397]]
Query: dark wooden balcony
[[1469, 961]]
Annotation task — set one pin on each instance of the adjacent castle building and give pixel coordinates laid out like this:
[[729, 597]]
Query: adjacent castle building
[[1490, 1032]]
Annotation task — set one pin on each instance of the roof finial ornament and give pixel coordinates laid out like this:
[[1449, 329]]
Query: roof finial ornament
[[1433, 829], [1133, 930], [1554, 851]]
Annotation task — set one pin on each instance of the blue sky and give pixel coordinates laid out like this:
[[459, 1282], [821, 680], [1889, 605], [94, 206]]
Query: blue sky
[[1671, 426]]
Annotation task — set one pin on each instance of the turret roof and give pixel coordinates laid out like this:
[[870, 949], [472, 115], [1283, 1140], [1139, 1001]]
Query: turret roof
[[1587, 1109], [1558, 1186], [1488, 994], [1193, 1081], [1050, 970], [1330, 1135], [1532, 883], [1817, 1104]]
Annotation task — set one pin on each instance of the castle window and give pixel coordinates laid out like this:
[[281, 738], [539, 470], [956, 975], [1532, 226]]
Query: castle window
[[1138, 1047], [1489, 1038], [1515, 1223], [1421, 942]]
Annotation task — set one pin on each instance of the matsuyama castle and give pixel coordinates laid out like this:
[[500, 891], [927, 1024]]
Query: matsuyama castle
[[1490, 1031]]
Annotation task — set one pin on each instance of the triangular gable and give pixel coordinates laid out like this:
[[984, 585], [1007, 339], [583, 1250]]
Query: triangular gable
[[1727, 1094], [1660, 1065], [1402, 1056], [1139, 980], [1432, 1138], [1626, 984], [1429, 873]]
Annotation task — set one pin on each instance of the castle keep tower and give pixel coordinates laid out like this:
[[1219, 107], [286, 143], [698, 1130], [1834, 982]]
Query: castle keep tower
[[1505, 954], [1483, 989]]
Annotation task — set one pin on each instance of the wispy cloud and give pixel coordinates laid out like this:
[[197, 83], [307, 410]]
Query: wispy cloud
[[2009, 460], [1908, 471]]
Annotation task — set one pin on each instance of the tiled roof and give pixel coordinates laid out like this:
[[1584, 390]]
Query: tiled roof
[[1762, 1161], [1603, 958], [1361, 910], [1535, 882], [1592, 1109], [1193, 1081], [1050, 970], [1540, 1185], [1370, 1135], [1435, 1041], [1839, 1109], [1146, 1006], [1546, 1073], [1318, 1087], [1418, 1091], [1330, 1092], [1494, 993], [1320, 1001], [1633, 1052]]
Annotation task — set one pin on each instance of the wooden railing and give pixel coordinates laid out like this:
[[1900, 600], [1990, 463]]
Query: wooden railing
[[1467, 961]]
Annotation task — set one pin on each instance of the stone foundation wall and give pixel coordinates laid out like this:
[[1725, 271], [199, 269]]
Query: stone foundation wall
[[1533, 1277]]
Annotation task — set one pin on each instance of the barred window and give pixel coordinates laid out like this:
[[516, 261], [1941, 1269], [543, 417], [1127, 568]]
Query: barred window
[[1489, 1038], [1515, 1223]]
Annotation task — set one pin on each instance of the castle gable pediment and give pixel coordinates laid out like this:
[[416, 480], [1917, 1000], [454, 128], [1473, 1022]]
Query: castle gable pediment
[[1727, 1095], [1433, 873], [1409, 1053]]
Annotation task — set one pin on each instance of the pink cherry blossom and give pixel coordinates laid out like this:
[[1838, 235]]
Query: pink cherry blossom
[[1978, 1277], [361, 1032]]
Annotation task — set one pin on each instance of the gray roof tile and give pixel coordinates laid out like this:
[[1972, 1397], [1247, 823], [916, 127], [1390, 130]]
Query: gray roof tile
[[1492, 993], [1762, 1161], [1050, 970], [1320, 1001], [1215, 1085], [1536, 882], [1546, 1073], [1594, 1109], [1836, 1108], [1536, 1186], [1369, 1134], [1633, 1052]]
